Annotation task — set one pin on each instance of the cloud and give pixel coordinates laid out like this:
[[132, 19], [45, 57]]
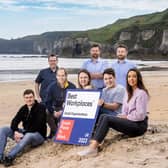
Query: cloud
[[123, 4], [105, 5], [21, 17]]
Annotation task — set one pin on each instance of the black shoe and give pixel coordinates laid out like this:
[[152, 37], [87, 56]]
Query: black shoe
[[1, 161], [8, 161]]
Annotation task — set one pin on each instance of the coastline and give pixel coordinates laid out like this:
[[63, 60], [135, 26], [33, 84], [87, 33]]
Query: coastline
[[24, 75]]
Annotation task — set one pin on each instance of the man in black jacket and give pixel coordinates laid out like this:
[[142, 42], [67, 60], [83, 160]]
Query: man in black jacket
[[33, 118]]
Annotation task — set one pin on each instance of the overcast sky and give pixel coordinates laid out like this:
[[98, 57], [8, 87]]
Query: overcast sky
[[26, 17]]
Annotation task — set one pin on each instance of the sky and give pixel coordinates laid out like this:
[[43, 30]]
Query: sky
[[27, 17]]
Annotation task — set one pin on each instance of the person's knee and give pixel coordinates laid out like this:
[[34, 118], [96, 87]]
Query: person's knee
[[50, 117], [102, 116], [49, 114], [29, 135], [5, 130], [37, 140], [106, 117]]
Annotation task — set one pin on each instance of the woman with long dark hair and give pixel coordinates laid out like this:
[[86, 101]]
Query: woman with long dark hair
[[133, 120], [84, 79]]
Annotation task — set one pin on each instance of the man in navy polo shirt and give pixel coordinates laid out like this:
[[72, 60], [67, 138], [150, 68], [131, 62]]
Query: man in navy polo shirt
[[45, 77]]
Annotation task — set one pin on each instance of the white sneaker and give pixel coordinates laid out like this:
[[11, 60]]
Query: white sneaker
[[88, 152]]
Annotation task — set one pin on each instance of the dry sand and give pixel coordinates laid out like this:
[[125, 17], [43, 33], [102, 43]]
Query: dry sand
[[149, 151]]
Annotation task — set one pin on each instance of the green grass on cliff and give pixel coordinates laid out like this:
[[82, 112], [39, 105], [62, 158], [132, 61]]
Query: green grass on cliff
[[105, 34]]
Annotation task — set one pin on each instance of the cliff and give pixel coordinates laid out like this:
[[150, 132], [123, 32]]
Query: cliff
[[145, 35]]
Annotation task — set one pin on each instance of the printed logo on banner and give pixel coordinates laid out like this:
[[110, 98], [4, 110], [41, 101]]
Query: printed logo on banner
[[65, 130]]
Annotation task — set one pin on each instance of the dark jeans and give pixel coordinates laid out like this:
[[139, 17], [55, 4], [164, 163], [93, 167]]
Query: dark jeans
[[52, 122], [125, 126], [105, 111]]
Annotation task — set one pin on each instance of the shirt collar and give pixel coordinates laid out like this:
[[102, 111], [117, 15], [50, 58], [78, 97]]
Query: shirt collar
[[122, 62], [98, 60], [66, 84], [52, 70]]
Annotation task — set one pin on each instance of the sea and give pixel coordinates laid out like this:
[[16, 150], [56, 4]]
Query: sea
[[20, 67]]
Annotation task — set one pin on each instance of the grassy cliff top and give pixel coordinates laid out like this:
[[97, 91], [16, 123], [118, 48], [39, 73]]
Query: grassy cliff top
[[106, 33]]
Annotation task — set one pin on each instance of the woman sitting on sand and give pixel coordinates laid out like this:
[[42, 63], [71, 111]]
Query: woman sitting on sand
[[84, 79], [133, 120]]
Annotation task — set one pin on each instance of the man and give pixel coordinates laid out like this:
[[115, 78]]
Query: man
[[112, 95], [95, 66], [33, 118], [55, 99], [45, 77], [122, 65]]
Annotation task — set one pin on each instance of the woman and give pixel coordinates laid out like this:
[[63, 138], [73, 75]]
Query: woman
[[132, 121], [84, 79]]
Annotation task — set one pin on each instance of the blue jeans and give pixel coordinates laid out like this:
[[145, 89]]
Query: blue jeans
[[32, 139]]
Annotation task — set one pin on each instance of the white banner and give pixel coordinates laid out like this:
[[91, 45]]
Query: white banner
[[81, 104]]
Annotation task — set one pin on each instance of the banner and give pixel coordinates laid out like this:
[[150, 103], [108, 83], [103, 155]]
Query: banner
[[79, 117]]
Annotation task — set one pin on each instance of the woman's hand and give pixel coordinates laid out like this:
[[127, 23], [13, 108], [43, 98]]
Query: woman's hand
[[122, 116]]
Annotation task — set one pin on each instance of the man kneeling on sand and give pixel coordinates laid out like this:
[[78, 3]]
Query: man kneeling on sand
[[33, 118]]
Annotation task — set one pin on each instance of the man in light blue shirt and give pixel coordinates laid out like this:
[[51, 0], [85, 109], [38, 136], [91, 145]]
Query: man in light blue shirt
[[122, 65], [96, 66]]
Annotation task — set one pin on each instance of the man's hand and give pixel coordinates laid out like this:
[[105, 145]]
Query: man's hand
[[96, 75], [39, 99], [18, 136], [100, 102], [57, 114]]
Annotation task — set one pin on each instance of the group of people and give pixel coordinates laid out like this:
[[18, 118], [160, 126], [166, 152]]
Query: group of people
[[123, 102]]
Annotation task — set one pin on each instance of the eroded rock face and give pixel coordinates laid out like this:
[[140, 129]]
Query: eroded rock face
[[42, 47], [71, 46], [143, 42], [147, 34], [125, 36], [164, 44]]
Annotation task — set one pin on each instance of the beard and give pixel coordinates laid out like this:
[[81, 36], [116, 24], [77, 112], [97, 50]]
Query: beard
[[121, 57], [95, 56]]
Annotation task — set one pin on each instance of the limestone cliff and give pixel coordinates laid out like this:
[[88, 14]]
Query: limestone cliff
[[145, 35]]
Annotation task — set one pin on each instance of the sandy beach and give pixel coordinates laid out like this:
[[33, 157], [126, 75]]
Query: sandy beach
[[149, 151]]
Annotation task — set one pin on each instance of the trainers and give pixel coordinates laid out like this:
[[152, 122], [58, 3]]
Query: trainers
[[88, 152], [8, 161]]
